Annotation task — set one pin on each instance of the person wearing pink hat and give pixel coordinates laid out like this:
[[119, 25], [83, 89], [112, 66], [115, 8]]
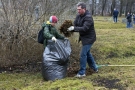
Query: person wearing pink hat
[[50, 31]]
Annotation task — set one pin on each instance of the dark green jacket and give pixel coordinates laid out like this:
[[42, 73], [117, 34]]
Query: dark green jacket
[[49, 32]]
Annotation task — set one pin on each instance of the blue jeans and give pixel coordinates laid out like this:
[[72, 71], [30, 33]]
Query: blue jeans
[[129, 25], [86, 57], [115, 18]]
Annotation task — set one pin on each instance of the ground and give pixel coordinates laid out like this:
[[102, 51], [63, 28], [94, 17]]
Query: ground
[[36, 67]]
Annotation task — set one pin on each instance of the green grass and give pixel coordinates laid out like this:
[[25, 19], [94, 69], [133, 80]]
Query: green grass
[[118, 41], [115, 45], [17, 80], [113, 40], [34, 81]]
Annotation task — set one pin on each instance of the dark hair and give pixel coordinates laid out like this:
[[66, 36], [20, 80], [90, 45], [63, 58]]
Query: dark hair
[[82, 4]]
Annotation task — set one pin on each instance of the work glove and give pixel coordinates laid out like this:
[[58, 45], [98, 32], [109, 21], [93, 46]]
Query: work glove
[[71, 28], [54, 39]]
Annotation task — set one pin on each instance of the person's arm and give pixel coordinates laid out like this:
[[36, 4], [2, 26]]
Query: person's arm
[[47, 33], [118, 13], [127, 17], [88, 21], [59, 36]]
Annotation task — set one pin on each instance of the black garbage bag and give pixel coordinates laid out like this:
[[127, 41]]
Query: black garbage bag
[[55, 59]]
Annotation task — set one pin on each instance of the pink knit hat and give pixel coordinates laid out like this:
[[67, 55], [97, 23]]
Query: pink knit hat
[[53, 19]]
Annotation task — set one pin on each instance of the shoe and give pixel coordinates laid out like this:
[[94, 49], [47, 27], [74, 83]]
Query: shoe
[[79, 76], [96, 71]]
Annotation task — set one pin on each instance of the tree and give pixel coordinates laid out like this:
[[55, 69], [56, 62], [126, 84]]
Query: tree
[[113, 6], [103, 6], [129, 6], [121, 7]]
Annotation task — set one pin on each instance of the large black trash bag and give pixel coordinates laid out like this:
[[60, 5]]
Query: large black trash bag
[[52, 71], [55, 59]]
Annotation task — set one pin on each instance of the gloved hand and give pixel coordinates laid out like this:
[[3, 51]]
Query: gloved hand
[[54, 39], [71, 28]]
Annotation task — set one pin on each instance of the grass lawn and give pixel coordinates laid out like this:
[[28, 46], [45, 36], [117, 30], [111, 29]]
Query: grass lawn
[[115, 45]]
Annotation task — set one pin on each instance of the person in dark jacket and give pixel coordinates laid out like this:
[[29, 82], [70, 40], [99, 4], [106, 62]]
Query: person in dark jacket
[[115, 15], [129, 20], [84, 24], [50, 31]]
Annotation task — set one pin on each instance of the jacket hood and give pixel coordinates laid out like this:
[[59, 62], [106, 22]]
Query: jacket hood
[[45, 23]]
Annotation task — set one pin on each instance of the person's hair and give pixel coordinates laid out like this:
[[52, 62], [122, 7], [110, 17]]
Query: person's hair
[[82, 4]]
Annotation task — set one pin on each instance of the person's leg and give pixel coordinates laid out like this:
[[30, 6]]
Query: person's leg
[[83, 59], [91, 61], [116, 18], [127, 24], [131, 23], [113, 19]]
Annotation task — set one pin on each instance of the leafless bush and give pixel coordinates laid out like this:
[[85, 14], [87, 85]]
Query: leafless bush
[[18, 29]]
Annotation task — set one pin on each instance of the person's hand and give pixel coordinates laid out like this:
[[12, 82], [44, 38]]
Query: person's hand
[[54, 39], [71, 28]]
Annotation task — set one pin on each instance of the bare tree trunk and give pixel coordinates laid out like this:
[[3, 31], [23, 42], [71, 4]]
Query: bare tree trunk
[[121, 7], [93, 4], [103, 6], [113, 6], [6, 14]]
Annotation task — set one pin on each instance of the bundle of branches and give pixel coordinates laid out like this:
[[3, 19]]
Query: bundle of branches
[[64, 27]]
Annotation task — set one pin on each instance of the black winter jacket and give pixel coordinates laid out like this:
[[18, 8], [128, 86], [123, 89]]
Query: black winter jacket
[[129, 18], [85, 26]]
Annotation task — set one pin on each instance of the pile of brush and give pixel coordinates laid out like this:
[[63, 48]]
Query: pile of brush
[[64, 27]]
